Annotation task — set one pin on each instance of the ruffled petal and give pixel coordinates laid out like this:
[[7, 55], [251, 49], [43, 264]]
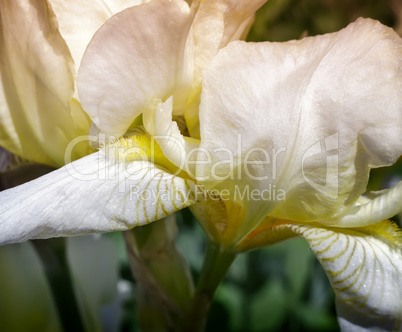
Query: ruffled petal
[[95, 194], [37, 83], [364, 266], [308, 118], [137, 56]]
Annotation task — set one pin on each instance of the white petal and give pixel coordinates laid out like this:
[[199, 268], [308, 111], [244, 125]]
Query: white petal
[[37, 84], [178, 149], [319, 113], [364, 267], [216, 23], [79, 20], [92, 195], [138, 55], [384, 206]]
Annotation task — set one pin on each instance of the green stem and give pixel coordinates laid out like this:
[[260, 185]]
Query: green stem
[[52, 253], [216, 263]]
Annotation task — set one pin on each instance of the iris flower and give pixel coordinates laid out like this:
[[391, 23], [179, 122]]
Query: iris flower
[[176, 53], [302, 122]]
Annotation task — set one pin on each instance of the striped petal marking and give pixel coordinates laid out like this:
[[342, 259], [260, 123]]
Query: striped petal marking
[[102, 192], [364, 266]]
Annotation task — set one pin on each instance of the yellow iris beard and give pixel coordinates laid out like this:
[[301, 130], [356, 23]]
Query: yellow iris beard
[[137, 147], [387, 231], [141, 147]]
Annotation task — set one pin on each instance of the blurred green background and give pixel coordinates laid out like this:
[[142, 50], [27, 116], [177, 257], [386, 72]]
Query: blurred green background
[[281, 20], [280, 288]]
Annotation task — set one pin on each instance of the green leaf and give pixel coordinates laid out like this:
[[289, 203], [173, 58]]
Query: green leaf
[[26, 301]]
